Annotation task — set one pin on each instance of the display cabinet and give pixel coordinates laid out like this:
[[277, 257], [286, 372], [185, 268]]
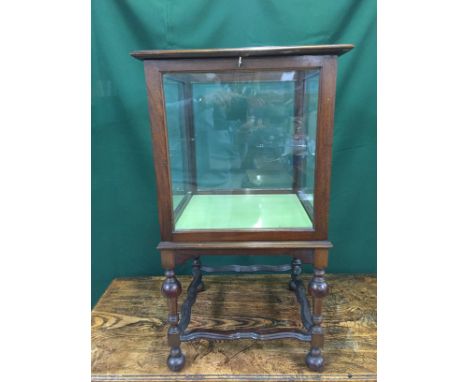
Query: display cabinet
[[242, 142]]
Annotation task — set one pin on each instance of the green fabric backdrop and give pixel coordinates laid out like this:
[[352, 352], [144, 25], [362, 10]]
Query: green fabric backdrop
[[124, 212]]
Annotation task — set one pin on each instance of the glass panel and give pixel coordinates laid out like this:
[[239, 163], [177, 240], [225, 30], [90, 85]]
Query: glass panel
[[242, 148], [242, 131], [305, 136], [177, 132]]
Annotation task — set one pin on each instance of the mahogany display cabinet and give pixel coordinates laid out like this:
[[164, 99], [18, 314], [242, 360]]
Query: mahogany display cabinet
[[242, 142]]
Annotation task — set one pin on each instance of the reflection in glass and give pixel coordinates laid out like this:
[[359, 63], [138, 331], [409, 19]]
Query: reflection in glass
[[242, 148], [177, 132]]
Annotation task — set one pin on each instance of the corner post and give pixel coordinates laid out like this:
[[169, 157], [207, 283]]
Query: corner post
[[318, 288], [172, 289]]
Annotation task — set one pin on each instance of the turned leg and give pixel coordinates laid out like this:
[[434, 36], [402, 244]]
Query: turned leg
[[172, 289], [318, 288], [196, 265], [296, 270]]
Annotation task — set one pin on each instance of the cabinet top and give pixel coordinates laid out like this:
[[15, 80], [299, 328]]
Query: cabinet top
[[334, 50]]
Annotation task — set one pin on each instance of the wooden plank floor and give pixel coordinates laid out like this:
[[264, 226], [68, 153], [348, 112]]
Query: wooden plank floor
[[129, 331]]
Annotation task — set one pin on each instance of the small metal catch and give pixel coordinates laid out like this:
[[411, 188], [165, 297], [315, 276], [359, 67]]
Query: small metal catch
[[239, 63]]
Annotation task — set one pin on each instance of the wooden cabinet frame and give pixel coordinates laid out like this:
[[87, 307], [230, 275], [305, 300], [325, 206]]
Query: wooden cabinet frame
[[155, 69], [303, 245]]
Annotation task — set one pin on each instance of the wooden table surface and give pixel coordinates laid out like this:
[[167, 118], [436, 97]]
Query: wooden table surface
[[129, 331]]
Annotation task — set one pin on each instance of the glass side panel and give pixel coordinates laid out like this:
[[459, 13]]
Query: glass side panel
[[242, 148], [175, 118], [306, 135]]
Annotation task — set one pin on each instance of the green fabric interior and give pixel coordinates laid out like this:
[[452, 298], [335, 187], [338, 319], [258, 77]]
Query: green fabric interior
[[243, 212], [176, 199]]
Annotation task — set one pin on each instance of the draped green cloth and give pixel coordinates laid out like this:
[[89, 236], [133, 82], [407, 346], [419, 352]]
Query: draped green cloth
[[125, 228]]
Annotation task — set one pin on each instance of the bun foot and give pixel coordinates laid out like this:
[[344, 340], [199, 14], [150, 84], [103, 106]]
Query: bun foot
[[176, 360], [314, 360]]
